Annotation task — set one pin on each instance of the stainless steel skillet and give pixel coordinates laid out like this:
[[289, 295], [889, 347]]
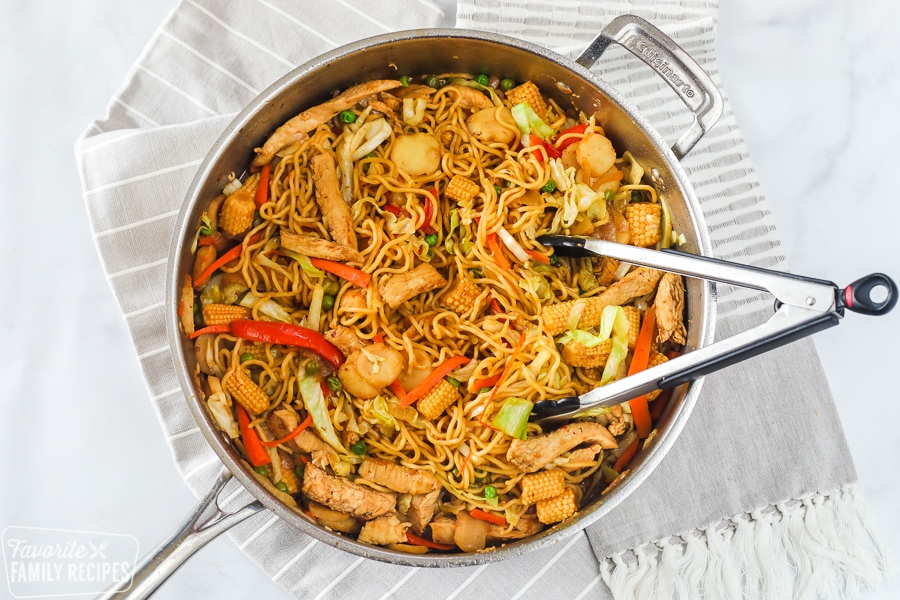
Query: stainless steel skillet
[[570, 84]]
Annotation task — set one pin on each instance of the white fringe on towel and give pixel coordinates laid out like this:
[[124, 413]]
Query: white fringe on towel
[[821, 547]]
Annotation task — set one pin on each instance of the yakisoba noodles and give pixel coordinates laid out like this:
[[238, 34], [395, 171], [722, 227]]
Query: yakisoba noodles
[[373, 317]]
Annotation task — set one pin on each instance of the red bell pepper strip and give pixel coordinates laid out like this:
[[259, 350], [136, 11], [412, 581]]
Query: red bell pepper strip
[[433, 378], [306, 423], [252, 444], [489, 517], [639, 409], [288, 334], [262, 192], [211, 329], [547, 151], [541, 258], [495, 307], [486, 382], [627, 455], [224, 259], [418, 541], [499, 258], [565, 138], [394, 210], [354, 276]]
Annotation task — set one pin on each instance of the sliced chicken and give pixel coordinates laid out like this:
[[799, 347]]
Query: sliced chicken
[[379, 106], [335, 211], [443, 528], [527, 526], [415, 90], [401, 287], [535, 453], [297, 128], [370, 369], [283, 421], [383, 531], [606, 270], [331, 518], [421, 510], [670, 309], [469, 97], [319, 248], [353, 299], [639, 282], [581, 457], [398, 478], [342, 495], [344, 338]]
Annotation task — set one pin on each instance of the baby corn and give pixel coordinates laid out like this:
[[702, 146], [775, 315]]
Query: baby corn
[[577, 354], [224, 314], [556, 509], [530, 94], [542, 486], [461, 296], [437, 400], [246, 392], [643, 223], [461, 189]]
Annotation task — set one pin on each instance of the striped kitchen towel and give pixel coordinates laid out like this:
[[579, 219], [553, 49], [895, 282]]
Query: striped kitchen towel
[[778, 519]]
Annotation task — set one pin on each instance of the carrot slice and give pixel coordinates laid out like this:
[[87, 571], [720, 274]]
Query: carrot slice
[[252, 444], [626, 456], [262, 192], [489, 517], [538, 256], [306, 423], [640, 411], [419, 541], [354, 276], [433, 378], [499, 258]]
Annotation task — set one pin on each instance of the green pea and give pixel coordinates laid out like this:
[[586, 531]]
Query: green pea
[[554, 260], [549, 187], [452, 381], [246, 356], [609, 195], [331, 288], [490, 491], [507, 84], [334, 384], [432, 81], [298, 471], [282, 486], [431, 240], [498, 189], [327, 302], [482, 79], [348, 116], [263, 470], [404, 81], [311, 368], [359, 448]]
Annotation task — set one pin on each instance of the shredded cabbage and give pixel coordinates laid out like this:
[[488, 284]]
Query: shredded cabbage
[[375, 133], [265, 261], [305, 263], [220, 409], [413, 110], [575, 314], [586, 278], [635, 171], [315, 307], [512, 418], [529, 122], [383, 418], [619, 326], [513, 245], [314, 402], [270, 308], [454, 219], [233, 185]]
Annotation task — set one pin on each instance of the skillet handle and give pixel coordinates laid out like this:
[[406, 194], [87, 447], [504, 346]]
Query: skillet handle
[[690, 82], [159, 564]]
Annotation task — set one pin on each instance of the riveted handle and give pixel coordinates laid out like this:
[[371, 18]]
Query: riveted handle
[[695, 88], [857, 297]]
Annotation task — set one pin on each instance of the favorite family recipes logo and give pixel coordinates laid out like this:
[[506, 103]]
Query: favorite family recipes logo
[[42, 563]]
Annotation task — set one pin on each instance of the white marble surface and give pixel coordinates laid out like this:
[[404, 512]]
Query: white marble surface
[[815, 86]]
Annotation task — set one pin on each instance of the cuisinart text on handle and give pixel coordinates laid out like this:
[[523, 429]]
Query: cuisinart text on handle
[[660, 64]]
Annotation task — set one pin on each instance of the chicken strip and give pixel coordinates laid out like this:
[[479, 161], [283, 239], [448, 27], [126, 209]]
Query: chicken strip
[[639, 282], [415, 90], [345, 339], [400, 479], [297, 128], [399, 288], [319, 248], [331, 518], [443, 528], [536, 453], [283, 421], [469, 97], [342, 495], [581, 457], [670, 309], [383, 531], [328, 196], [606, 270], [527, 526], [421, 510]]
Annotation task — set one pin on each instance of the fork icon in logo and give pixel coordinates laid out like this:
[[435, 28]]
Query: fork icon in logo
[[98, 550]]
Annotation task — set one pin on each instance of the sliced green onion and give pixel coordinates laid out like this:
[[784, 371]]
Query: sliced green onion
[[206, 228], [334, 384], [359, 448], [554, 260], [246, 356], [512, 418], [452, 381], [507, 84], [455, 471], [498, 189], [371, 155], [549, 187], [609, 195], [404, 81], [432, 81], [348, 116], [482, 79]]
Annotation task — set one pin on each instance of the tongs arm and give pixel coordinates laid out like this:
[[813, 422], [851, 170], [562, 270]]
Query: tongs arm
[[789, 323]]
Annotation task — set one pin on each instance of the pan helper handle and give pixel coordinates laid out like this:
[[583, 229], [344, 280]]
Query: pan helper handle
[[695, 88]]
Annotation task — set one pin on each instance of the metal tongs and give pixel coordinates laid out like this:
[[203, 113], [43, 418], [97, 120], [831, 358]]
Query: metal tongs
[[803, 306]]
